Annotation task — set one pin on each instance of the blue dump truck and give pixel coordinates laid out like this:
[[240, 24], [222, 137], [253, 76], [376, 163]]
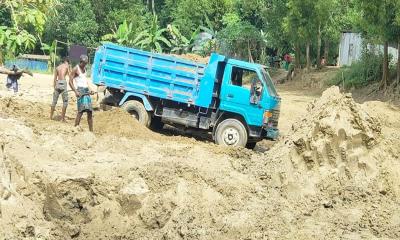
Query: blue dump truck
[[236, 101]]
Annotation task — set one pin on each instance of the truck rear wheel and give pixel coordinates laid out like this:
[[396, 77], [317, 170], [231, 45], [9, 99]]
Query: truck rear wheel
[[136, 109], [231, 132]]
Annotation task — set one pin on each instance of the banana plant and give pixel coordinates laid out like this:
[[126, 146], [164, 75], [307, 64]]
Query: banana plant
[[210, 44], [181, 44], [123, 35], [51, 51], [152, 39]]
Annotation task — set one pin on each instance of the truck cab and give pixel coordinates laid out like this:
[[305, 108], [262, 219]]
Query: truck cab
[[248, 93]]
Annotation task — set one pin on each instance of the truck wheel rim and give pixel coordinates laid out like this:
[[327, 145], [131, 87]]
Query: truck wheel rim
[[231, 136], [134, 114]]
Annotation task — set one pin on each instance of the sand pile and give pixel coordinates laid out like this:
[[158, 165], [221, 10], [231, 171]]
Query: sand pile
[[336, 132], [118, 122], [337, 139], [335, 173], [193, 57]]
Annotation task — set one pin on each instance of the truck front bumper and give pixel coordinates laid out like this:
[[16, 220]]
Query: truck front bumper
[[271, 133]]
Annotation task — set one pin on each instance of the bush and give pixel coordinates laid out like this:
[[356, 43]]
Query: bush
[[361, 73]]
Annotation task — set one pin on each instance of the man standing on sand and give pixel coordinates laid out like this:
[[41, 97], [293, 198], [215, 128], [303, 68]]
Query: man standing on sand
[[13, 76], [81, 86], [60, 87]]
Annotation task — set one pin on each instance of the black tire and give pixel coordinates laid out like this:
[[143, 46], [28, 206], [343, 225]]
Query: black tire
[[251, 145], [231, 132], [137, 110], [156, 124]]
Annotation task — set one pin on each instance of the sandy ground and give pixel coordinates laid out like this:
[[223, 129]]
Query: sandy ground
[[334, 174]]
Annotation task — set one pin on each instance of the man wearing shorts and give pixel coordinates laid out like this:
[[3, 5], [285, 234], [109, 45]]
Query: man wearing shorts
[[60, 88]]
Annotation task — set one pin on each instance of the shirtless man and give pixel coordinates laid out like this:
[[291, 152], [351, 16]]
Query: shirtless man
[[60, 87], [80, 85]]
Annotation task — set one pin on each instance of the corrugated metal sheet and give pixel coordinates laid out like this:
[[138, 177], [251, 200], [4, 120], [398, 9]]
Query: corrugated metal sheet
[[350, 49], [32, 65]]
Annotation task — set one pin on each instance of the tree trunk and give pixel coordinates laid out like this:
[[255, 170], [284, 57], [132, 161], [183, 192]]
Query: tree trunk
[[298, 56], [398, 64], [385, 74], [319, 47], [326, 51], [153, 7], [249, 52], [308, 55]]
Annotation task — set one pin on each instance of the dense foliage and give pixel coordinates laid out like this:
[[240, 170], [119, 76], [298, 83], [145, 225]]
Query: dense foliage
[[252, 30]]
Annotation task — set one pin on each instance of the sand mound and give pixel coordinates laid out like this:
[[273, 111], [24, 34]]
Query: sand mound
[[336, 139], [336, 132], [118, 122], [335, 171], [333, 175]]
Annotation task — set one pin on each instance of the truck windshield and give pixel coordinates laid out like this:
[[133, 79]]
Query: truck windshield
[[270, 85]]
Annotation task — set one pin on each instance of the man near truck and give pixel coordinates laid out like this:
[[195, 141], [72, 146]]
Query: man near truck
[[60, 88], [79, 83]]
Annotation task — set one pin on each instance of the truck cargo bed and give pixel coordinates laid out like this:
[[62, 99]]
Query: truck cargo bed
[[147, 73]]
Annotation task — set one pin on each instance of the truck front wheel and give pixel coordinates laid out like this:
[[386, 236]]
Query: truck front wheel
[[137, 110], [231, 132]]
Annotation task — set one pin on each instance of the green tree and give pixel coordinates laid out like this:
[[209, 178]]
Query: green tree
[[300, 24], [378, 20], [24, 26], [397, 24], [110, 14], [190, 14], [240, 40], [74, 23], [273, 24]]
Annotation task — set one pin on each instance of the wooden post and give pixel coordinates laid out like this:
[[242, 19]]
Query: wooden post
[[54, 57]]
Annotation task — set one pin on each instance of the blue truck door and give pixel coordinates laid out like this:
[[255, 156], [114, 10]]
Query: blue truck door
[[236, 94]]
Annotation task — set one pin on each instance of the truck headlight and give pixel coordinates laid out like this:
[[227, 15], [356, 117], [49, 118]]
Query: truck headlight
[[267, 116]]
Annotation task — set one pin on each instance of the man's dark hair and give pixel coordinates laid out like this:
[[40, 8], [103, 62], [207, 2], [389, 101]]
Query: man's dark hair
[[66, 59]]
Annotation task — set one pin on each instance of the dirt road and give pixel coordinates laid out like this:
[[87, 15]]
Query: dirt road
[[334, 174]]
